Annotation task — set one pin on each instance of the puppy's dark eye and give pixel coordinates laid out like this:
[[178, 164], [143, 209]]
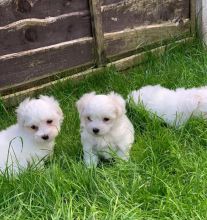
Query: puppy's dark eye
[[34, 127], [89, 118], [106, 119], [49, 121]]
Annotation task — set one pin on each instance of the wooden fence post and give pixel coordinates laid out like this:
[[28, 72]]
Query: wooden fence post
[[204, 21], [193, 16], [201, 19], [97, 30]]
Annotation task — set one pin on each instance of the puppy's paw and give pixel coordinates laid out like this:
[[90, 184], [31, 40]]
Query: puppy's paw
[[123, 155], [91, 160]]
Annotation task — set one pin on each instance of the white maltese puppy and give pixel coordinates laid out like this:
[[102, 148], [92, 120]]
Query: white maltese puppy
[[32, 138], [105, 128], [175, 107]]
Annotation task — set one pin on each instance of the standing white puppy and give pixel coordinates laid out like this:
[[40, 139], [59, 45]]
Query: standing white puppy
[[105, 128], [32, 138], [175, 107]]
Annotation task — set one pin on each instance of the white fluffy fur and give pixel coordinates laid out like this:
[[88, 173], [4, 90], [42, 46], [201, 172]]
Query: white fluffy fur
[[175, 107], [21, 144], [115, 135]]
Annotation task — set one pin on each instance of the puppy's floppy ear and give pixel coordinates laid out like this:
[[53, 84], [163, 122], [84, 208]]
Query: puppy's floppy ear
[[80, 104], [21, 109], [119, 102], [54, 103]]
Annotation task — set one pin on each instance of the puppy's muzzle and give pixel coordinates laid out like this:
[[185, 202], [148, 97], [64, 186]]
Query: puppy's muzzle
[[95, 130]]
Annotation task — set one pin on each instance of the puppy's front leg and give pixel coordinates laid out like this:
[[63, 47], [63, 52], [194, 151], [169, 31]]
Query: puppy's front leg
[[90, 158]]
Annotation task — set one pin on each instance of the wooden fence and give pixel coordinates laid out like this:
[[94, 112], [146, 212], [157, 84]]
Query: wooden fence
[[40, 39]]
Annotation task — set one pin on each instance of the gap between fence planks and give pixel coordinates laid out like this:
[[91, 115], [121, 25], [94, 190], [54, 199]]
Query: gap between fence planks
[[123, 64]]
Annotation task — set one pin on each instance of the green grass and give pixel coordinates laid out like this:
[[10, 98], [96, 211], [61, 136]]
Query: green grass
[[166, 177]]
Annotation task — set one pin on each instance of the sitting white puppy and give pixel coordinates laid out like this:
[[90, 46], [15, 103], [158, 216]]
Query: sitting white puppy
[[105, 128], [32, 138], [175, 107]]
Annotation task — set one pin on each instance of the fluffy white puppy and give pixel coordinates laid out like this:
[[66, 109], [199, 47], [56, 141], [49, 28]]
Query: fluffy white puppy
[[32, 138], [105, 128], [175, 107]]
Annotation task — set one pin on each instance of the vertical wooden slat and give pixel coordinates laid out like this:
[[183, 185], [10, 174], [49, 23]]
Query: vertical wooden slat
[[199, 18], [204, 21], [193, 16], [97, 30]]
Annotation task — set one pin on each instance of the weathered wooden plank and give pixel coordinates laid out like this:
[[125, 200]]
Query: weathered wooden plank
[[108, 2], [193, 15], [33, 33], [133, 13], [23, 67], [204, 22], [97, 29], [23, 9], [201, 20], [132, 39], [21, 24], [15, 98], [133, 60]]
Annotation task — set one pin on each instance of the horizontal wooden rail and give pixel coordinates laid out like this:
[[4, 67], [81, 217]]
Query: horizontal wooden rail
[[29, 22], [45, 49], [132, 13]]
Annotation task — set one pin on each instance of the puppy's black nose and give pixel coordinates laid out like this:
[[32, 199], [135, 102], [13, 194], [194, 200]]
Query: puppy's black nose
[[95, 130], [45, 137]]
